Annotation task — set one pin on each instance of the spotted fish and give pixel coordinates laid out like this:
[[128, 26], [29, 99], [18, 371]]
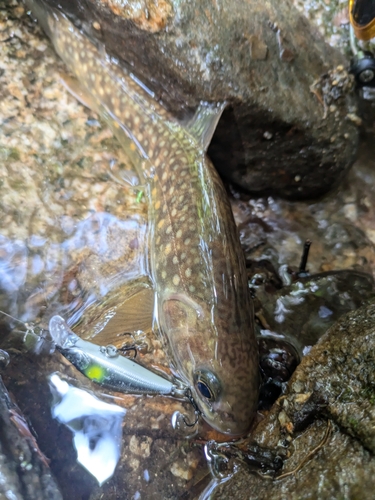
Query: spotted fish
[[202, 305]]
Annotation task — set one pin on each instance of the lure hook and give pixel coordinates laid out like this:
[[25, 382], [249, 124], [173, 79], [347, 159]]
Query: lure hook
[[111, 351], [197, 411], [126, 349]]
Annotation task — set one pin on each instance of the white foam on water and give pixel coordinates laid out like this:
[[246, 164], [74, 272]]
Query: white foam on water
[[96, 427]]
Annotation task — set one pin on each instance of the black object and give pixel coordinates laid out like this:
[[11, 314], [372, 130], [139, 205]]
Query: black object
[[302, 271], [363, 68], [363, 12]]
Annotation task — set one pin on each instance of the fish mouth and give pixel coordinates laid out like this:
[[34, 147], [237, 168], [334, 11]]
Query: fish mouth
[[228, 428], [217, 416], [226, 423]]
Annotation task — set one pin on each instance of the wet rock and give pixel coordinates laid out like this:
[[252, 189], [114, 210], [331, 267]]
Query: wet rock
[[340, 370], [341, 469], [325, 421], [4, 359], [25, 472], [275, 229], [289, 126], [304, 310], [293, 317]]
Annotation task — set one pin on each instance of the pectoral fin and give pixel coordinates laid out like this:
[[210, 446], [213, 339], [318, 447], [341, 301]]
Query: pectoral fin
[[133, 315]]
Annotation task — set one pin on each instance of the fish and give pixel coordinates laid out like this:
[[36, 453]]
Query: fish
[[105, 365], [202, 308]]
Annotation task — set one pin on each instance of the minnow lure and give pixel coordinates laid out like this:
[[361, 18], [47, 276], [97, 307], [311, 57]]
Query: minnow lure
[[202, 306], [105, 365]]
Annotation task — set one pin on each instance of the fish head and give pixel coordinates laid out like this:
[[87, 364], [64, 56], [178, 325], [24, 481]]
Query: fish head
[[221, 374]]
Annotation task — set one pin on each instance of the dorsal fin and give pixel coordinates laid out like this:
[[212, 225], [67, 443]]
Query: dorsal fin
[[203, 124]]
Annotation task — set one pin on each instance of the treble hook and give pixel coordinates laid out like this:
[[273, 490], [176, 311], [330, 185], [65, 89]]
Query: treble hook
[[197, 411], [126, 349]]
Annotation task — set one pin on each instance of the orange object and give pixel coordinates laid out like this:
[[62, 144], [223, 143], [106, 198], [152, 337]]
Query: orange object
[[362, 18]]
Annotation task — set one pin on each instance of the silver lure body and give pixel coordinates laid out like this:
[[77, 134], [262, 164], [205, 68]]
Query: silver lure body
[[106, 366]]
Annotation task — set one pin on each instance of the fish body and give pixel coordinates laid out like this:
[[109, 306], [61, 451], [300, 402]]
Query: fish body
[[105, 365], [202, 305]]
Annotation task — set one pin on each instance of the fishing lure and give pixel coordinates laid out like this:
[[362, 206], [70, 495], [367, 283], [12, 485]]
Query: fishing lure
[[106, 366], [103, 365]]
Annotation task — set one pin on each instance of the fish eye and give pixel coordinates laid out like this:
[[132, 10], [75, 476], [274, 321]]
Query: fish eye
[[207, 384], [204, 389]]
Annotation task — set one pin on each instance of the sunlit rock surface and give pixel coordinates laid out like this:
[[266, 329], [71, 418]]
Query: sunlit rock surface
[[288, 126]]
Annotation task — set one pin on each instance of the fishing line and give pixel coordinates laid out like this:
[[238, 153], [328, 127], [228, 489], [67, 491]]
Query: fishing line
[[42, 336]]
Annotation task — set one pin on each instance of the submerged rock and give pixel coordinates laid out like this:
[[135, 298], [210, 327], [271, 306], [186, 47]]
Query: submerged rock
[[289, 126], [304, 310]]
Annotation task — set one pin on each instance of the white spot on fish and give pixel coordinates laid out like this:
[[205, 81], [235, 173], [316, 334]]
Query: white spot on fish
[[176, 280], [168, 249]]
